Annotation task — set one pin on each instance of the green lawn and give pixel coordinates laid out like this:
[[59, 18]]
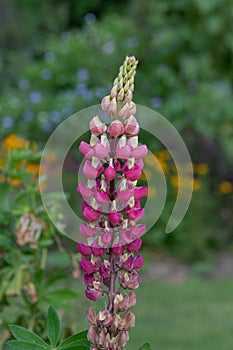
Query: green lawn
[[194, 315]]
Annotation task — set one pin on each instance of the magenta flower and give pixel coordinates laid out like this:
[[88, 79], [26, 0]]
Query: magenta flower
[[111, 206]]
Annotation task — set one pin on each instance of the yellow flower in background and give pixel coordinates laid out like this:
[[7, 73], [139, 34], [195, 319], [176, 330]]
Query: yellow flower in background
[[151, 192], [33, 168], [185, 182], [2, 163], [14, 182], [196, 184], [201, 169], [12, 141], [2, 178], [163, 154], [150, 159], [225, 187]]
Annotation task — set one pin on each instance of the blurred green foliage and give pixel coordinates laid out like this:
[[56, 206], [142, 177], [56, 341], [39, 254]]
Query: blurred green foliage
[[184, 51]]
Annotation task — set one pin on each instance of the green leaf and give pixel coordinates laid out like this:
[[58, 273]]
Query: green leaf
[[76, 346], [74, 338], [25, 345], [21, 333], [53, 326], [146, 346]]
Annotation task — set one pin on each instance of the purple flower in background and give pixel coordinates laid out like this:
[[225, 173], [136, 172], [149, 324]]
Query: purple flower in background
[[83, 74], [28, 116], [156, 102], [100, 92], [49, 57], [23, 84], [35, 97], [55, 117], [46, 74], [7, 122], [90, 18]]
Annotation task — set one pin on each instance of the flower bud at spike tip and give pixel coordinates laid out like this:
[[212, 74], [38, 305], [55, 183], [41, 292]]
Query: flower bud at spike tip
[[116, 128], [97, 127]]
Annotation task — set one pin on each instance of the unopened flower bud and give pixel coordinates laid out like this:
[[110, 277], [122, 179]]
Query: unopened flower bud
[[138, 262], [105, 103], [131, 127], [97, 127], [116, 128]]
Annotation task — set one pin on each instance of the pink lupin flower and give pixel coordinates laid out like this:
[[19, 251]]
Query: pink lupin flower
[[106, 238], [89, 171], [112, 208], [124, 196], [134, 173], [140, 192], [84, 249], [139, 152], [131, 127], [84, 191], [88, 279], [123, 150], [114, 218], [110, 172], [135, 245], [138, 262], [86, 150], [136, 214], [90, 214], [101, 197], [116, 128], [97, 127], [96, 249], [86, 230], [93, 294], [87, 266], [138, 230]]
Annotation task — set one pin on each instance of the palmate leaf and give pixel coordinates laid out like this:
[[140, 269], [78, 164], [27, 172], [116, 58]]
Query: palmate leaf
[[53, 326], [23, 334], [25, 345], [146, 346], [76, 346], [75, 340]]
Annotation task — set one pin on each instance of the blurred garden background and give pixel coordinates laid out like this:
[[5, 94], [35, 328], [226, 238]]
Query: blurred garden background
[[60, 56]]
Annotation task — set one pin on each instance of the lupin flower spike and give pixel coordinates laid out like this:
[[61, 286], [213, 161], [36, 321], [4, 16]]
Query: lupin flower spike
[[111, 208]]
